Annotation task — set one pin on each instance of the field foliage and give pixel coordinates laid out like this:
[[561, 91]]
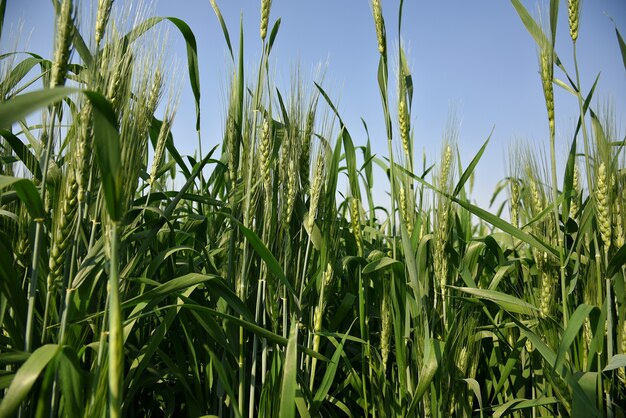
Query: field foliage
[[254, 285]]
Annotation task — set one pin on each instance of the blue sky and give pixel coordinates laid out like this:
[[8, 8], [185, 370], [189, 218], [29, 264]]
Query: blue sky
[[473, 58]]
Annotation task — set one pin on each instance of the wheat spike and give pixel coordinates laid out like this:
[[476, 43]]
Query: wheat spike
[[546, 58], [265, 16], [573, 11], [602, 205], [618, 219], [232, 138], [404, 209], [63, 231], [291, 193], [385, 331], [575, 205], [547, 294], [160, 149], [65, 32], [316, 189], [380, 25], [102, 18], [403, 118], [356, 222], [265, 147], [305, 152], [83, 150], [515, 201]]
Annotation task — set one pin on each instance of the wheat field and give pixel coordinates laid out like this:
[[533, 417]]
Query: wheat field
[[254, 285]]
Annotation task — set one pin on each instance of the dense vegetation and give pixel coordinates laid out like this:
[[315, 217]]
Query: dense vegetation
[[254, 286]]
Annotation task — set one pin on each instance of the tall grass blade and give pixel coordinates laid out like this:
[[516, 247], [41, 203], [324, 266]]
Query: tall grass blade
[[21, 70], [432, 356], [616, 262], [23, 153], [472, 165], [220, 18], [108, 153], [507, 302], [18, 107], [72, 383], [329, 375], [616, 362], [27, 192], [531, 24], [26, 377], [554, 17], [568, 182], [3, 8], [273, 34], [587, 406], [290, 368], [271, 262], [489, 217], [574, 325], [10, 286]]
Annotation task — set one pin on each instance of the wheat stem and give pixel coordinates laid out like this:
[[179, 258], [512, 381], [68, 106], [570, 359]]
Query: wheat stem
[[116, 342]]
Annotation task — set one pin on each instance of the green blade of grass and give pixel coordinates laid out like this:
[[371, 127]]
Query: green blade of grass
[[586, 406], [379, 264], [23, 153], [25, 378], [350, 156], [155, 128], [290, 368], [273, 34], [432, 355], [554, 17], [568, 181], [573, 327], [18, 107], [71, 379], [475, 386], [329, 375], [21, 70], [507, 302], [192, 62], [531, 24], [11, 286], [3, 8], [27, 192], [108, 153], [252, 327], [218, 13], [616, 362], [489, 217], [271, 262], [470, 168], [616, 262]]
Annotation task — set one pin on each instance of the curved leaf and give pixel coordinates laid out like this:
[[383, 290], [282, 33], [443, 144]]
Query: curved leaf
[[470, 168], [507, 302], [618, 361], [23, 153], [271, 262], [18, 107], [108, 152], [379, 265], [290, 369], [27, 192], [573, 327], [26, 377]]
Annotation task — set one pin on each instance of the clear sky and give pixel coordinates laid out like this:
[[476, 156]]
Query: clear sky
[[472, 57]]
